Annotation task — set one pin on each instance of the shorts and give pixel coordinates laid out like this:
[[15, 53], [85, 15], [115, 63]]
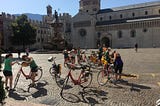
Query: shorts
[[34, 69], [118, 69], [7, 73]]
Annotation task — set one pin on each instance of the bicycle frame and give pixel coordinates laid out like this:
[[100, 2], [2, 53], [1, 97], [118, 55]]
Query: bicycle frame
[[21, 70], [78, 81], [108, 70]]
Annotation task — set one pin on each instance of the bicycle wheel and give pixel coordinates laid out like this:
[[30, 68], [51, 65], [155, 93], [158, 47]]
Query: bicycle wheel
[[51, 71], [86, 79], [38, 74], [16, 79], [102, 77], [59, 80]]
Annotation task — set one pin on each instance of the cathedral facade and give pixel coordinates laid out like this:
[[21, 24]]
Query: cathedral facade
[[119, 27]]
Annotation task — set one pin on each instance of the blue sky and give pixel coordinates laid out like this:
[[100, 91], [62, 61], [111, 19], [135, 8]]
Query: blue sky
[[67, 6]]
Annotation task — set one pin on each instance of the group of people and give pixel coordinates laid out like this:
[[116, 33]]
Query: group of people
[[107, 57], [73, 56], [7, 71]]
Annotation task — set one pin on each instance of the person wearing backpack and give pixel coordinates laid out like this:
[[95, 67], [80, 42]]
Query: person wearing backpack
[[118, 64]]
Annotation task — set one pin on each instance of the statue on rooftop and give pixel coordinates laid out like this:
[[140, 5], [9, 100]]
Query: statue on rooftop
[[56, 15]]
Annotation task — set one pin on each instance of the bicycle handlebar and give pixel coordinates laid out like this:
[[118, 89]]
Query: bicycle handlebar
[[23, 63]]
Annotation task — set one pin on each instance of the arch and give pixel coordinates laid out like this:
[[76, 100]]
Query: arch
[[106, 41]]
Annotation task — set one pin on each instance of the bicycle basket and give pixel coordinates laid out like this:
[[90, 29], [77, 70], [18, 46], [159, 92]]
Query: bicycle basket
[[58, 68]]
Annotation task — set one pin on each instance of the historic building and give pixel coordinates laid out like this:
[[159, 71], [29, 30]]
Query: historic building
[[5, 29], [119, 27]]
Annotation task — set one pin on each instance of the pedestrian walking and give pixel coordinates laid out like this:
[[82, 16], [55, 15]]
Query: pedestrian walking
[[136, 47]]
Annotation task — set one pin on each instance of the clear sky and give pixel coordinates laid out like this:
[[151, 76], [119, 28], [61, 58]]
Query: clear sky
[[63, 6]]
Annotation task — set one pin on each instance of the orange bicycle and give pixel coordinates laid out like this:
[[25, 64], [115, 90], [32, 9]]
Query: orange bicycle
[[106, 75], [24, 64], [84, 78]]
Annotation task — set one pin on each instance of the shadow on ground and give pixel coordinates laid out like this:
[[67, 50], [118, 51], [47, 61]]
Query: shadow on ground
[[21, 94], [90, 95]]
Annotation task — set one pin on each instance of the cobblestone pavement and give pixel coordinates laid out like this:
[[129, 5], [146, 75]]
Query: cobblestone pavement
[[143, 90]]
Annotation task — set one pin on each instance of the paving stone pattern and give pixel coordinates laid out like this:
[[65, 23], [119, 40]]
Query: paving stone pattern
[[141, 91]]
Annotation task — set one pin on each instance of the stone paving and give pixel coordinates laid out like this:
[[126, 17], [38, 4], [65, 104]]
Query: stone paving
[[141, 91]]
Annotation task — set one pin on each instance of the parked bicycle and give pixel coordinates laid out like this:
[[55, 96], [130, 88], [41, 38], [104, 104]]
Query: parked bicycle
[[39, 74], [84, 79], [55, 71], [106, 75]]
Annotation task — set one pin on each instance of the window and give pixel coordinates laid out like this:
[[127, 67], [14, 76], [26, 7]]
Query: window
[[38, 40], [110, 17], [119, 34], [146, 12], [82, 32], [133, 33], [101, 18], [99, 34], [121, 16], [133, 14]]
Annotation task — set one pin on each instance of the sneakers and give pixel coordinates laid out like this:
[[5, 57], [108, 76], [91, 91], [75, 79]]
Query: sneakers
[[32, 85], [7, 88]]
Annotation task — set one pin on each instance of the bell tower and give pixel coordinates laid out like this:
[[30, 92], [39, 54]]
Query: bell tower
[[89, 6]]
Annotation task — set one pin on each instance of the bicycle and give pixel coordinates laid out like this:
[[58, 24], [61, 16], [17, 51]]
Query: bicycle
[[106, 75], [84, 78], [39, 73], [55, 71]]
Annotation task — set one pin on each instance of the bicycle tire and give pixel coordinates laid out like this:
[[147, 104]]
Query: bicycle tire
[[16, 79], [51, 71], [59, 80], [39, 74], [86, 79], [64, 85], [102, 77]]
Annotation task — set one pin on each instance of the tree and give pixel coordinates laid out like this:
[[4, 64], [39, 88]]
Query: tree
[[23, 32]]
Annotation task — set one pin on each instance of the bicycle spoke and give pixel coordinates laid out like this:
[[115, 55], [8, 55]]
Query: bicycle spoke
[[86, 79], [38, 74], [16, 79], [102, 77]]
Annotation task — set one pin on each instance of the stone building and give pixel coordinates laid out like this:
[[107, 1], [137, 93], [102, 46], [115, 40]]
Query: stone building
[[119, 27], [5, 29]]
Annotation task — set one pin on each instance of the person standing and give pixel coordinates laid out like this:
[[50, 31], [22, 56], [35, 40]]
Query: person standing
[[33, 67], [7, 71], [136, 47], [118, 64]]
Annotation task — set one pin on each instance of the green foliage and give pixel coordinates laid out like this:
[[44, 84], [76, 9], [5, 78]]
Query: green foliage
[[23, 32]]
